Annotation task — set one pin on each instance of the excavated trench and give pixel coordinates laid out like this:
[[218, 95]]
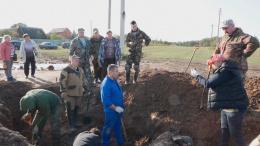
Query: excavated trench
[[161, 101]]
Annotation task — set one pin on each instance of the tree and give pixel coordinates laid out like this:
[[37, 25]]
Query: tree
[[39, 35], [18, 24], [5, 32], [74, 34], [55, 36]]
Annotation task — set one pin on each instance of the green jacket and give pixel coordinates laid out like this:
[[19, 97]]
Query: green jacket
[[96, 45], [42, 101], [137, 40]]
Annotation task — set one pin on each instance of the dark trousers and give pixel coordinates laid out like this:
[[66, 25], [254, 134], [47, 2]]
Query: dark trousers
[[231, 123], [97, 70], [29, 60], [106, 63]]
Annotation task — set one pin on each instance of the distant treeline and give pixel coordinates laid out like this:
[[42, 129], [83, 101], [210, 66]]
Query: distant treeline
[[206, 42]]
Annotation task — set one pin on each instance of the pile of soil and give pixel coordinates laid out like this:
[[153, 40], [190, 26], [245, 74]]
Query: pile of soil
[[161, 101]]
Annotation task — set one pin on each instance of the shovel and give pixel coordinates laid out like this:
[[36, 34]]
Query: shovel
[[86, 118], [28, 120], [196, 47], [202, 97], [126, 138]]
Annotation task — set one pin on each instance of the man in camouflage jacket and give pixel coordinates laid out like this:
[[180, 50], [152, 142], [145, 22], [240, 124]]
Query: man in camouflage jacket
[[81, 47], [72, 83], [134, 41], [96, 41], [236, 46]]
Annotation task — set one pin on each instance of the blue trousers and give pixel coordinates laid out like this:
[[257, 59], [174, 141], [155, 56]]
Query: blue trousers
[[112, 123], [231, 123]]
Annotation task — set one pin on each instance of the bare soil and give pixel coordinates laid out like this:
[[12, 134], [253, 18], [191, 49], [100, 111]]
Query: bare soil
[[161, 101]]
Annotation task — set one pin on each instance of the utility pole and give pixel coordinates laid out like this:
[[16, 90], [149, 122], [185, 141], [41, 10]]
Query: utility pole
[[91, 29], [109, 15], [122, 27], [218, 24], [211, 36]]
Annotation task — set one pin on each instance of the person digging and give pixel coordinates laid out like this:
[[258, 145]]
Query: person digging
[[46, 105], [226, 93], [72, 85]]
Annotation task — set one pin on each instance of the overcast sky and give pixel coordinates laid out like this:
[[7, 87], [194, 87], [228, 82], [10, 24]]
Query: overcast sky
[[171, 20]]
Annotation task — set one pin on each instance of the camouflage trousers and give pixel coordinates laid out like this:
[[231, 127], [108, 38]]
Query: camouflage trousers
[[55, 119], [133, 57], [86, 68], [97, 69]]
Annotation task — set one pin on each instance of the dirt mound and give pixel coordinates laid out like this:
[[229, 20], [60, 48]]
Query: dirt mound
[[161, 101], [14, 138], [252, 87]]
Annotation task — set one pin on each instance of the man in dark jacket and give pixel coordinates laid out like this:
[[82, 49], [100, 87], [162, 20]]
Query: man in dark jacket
[[88, 138], [96, 41], [226, 93]]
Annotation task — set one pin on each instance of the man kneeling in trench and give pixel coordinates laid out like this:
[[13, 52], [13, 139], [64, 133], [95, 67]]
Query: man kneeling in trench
[[226, 93], [172, 139], [47, 105], [88, 138]]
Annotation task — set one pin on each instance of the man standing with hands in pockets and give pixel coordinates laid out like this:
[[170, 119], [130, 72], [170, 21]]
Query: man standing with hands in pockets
[[112, 99]]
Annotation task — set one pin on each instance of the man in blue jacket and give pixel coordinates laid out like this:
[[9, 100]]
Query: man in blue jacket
[[226, 93], [112, 99]]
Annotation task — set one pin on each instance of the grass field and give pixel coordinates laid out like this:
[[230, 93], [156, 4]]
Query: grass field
[[165, 52]]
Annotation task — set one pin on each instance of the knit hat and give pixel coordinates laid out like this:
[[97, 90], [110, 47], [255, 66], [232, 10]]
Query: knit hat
[[216, 57]]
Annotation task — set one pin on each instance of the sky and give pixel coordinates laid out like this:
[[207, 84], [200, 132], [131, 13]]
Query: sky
[[170, 20]]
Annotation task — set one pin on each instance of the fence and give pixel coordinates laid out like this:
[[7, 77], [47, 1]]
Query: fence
[[38, 41]]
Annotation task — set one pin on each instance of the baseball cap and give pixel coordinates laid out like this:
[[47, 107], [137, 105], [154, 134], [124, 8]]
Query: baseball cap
[[95, 30], [227, 22], [216, 57], [81, 29], [75, 57]]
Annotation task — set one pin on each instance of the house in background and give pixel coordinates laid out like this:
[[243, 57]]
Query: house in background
[[34, 33], [63, 32]]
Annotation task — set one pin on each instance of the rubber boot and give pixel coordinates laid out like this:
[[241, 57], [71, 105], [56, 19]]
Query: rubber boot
[[70, 117], [76, 124], [127, 77], [135, 77]]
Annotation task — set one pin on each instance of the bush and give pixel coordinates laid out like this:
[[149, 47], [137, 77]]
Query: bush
[[123, 56]]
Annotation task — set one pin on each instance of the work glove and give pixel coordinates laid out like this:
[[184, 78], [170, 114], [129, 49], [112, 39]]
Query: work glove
[[119, 109], [63, 95], [194, 73], [25, 116], [35, 129]]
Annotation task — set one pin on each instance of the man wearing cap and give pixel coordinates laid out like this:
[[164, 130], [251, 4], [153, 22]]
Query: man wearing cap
[[72, 83], [134, 41], [226, 93], [81, 47], [45, 105], [96, 41], [172, 139], [236, 46]]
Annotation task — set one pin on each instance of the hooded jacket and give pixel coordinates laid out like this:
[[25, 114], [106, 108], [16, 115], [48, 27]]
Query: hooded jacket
[[237, 47], [42, 100], [228, 93]]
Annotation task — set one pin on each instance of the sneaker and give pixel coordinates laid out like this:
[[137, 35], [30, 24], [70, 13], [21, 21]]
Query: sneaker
[[10, 79], [32, 76], [134, 82], [126, 82], [26, 77]]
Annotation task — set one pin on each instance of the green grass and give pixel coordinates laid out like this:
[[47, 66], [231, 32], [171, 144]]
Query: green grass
[[184, 53], [164, 52]]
